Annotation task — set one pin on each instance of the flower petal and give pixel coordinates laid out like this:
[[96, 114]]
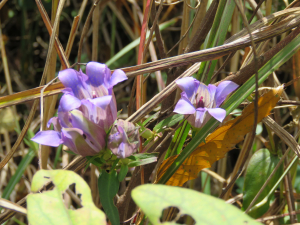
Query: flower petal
[[123, 140], [184, 106], [224, 89], [212, 90], [75, 80], [202, 93], [55, 122], [64, 119], [218, 113], [74, 139], [48, 137], [94, 135], [68, 102], [101, 102], [117, 77], [122, 149], [189, 85], [102, 117], [199, 117], [99, 75]]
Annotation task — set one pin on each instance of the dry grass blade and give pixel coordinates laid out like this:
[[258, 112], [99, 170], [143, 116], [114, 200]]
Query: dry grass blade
[[12, 206], [146, 108], [72, 35], [32, 112], [43, 156], [86, 27], [2, 3], [184, 59], [264, 22], [21, 136], [58, 46], [287, 138]]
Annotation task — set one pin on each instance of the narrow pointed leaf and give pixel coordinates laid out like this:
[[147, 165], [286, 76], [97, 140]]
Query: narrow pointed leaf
[[108, 186]]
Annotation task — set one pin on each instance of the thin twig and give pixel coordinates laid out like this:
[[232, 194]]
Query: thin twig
[[58, 46], [159, 39], [153, 26], [45, 72], [184, 35], [264, 219], [256, 9], [2, 3]]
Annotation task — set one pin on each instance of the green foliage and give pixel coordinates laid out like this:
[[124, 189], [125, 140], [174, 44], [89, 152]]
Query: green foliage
[[217, 37], [123, 172], [26, 160], [142, 159], [204, 209], [168, 122], [108, 186], [261, 165], [48, 207]]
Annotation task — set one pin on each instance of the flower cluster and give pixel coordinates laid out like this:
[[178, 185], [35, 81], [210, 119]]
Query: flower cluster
[[200, 102], [87, 112]]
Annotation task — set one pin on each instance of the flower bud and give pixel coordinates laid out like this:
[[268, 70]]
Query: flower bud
[[123, 140]]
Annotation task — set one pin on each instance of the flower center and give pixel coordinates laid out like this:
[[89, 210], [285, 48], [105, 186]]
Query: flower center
[[94, 94], [200, 104]]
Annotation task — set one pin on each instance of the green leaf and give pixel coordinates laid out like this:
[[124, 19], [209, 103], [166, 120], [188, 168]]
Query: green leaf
[[260, 166], [70, 152], [108, 186], [143, 156], [204, 209], [179, 139], [168, 122], [145, 132], [142, 159], [18, 174], [150, 118], [48, 207], [123, 172]]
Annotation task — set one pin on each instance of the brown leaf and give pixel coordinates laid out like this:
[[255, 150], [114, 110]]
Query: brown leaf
[[222, 140]]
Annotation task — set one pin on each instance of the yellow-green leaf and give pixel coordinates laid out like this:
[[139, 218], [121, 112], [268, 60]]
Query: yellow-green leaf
[[204, 209], [48, 207]]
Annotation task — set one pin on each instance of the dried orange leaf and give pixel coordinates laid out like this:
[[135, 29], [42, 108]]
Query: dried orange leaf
[[222, 140]]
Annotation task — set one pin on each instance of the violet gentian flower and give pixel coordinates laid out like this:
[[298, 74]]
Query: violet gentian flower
[[86, 111], [123, 140], [200, 102]]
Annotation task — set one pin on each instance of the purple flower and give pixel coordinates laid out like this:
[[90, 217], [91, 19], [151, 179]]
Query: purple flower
[[123, 140], [86, 111], [202, 102]]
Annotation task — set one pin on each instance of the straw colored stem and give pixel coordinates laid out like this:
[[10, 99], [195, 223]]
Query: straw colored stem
[[58, 46], [43, 157], [85, 30], [2, 3]]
